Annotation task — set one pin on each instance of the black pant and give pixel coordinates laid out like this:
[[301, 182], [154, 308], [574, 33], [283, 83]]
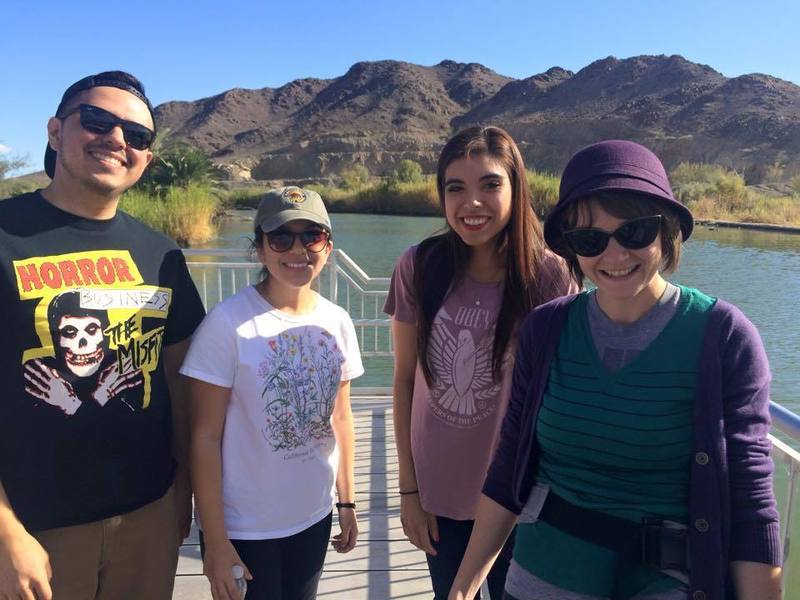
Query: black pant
[[285, 568], [451, 547]]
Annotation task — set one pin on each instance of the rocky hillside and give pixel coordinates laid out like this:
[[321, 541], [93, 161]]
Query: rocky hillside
[[379, 113]]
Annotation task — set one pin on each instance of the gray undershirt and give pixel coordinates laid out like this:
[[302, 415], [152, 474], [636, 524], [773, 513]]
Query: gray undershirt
[[618, 344]]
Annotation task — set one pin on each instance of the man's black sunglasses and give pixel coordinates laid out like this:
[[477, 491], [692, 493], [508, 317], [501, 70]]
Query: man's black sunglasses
[[97, 120], [313, 240], [633, 235]]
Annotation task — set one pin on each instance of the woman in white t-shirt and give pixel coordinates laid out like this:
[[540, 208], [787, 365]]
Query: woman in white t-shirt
[[271, 424]]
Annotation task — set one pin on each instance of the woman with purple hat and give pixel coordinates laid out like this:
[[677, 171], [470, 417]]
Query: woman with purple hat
[[634, 456]]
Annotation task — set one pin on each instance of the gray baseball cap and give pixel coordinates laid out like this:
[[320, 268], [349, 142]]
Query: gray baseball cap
[[291, 203]]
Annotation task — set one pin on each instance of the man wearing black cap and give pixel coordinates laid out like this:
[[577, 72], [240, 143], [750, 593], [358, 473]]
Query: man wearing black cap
[[98, 311]]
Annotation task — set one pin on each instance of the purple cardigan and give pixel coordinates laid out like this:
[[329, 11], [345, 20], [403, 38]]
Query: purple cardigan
[[732, 513]]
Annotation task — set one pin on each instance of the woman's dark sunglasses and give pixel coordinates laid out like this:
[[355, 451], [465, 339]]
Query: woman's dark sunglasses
[[313, 240], [633, 235], [97, 120]]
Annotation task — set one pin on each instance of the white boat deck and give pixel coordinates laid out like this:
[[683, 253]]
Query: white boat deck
[[383, 564]]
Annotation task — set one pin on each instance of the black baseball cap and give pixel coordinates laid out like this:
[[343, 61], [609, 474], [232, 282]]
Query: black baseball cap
[[118, 79]]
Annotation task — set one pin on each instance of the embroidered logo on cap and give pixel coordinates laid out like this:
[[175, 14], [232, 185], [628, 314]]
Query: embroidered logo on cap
[[294, 195]]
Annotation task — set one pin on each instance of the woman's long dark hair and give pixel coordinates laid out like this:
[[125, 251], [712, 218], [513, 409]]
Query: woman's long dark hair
[[442, 259]]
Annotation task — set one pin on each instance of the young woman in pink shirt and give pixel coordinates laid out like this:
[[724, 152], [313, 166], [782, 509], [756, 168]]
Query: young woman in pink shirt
[[456, 300]]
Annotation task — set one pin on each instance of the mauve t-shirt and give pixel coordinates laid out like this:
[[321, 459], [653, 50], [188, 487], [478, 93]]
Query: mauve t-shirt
[[456, 423]]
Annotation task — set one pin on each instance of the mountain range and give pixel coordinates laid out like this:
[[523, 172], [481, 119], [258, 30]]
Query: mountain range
[[379, 113]]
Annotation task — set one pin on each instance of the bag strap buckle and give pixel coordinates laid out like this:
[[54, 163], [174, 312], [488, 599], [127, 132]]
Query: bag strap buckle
[[664, 544]]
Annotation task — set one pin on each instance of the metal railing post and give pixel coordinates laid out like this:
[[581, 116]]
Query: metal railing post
[[333, 274]]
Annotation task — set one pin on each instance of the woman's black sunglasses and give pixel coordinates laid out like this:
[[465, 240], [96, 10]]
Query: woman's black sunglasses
[[313, 240], [633, 235], [97, 120]]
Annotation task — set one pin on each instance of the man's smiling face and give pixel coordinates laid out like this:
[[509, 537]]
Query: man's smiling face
[[102, 163]]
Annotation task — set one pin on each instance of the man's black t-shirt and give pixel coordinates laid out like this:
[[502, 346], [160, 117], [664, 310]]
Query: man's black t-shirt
[[88, 306]]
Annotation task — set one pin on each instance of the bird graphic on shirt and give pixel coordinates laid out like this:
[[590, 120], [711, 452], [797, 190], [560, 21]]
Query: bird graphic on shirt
[[462, 369]]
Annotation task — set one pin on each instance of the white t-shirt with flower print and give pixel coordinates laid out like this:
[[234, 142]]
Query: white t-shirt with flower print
[[279, 456]]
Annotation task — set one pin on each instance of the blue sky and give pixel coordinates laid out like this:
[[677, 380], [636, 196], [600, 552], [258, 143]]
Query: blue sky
[[190, 50]]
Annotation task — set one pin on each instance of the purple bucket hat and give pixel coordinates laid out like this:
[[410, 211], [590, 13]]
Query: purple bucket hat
[[614, 165]]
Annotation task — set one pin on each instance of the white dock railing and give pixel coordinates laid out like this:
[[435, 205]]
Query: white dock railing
[[218, 273]]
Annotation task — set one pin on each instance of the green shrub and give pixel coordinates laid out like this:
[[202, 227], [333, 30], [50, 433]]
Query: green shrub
[[692, 181], [752, 208], [186, 214], [177, 165], [407, 198], [544, 191], [248, 197], [414, 198], [687, 172], [355, 177], [15, 187], [711, 192], [408, 171], [333, 195]]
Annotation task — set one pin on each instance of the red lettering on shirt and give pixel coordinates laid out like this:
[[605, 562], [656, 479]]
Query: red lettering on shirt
[[29, 277], [122, 270], [86, 267], [50, 275], [106, 271], [70, 273]]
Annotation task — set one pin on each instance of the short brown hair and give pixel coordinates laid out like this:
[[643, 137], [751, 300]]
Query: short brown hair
[[624, 205]]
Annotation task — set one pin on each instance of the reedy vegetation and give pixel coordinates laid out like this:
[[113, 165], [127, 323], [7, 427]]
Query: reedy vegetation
[[716, 193], [184, 213], [175, 195], [178, 197], [712, 192]]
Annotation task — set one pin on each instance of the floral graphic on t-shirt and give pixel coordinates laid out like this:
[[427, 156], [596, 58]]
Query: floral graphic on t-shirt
[[462, 368], [301, 374]]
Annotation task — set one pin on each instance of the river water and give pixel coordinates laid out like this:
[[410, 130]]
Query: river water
[[757, 271]]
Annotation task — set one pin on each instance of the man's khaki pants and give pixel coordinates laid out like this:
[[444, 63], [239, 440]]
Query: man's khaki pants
[[128, 557]]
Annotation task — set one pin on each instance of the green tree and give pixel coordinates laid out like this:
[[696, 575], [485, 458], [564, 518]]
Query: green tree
[[355, 177], [408, 171], [176, 166], [11, 163]]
